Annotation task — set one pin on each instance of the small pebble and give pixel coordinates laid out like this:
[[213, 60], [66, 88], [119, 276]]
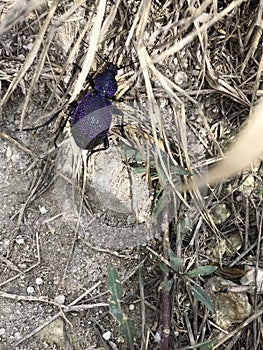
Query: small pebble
[[157, 337], [106, 335], [4, 245], [132, 307], [30, 290], [29, 46], [181, 78], [21, 57], [20, 240], [42, 210], [2, 331], [17, 335], [39, 281], [59, 299], [8, 152], [15, 158]]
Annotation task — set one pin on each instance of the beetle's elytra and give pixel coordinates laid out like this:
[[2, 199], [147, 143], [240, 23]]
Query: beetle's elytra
[[91, 118]]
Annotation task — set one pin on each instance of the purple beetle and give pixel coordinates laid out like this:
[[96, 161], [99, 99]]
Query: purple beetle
[[92, 115], [91, 118]]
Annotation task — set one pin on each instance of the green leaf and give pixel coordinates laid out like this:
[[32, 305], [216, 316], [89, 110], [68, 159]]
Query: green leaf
[[139, 170], [167, 285], [113, 283], [153, 256], [116, 290], [203, 297], [126, 326], [202, 271], [206, 345], [179, 170], [165, 269], [127, 329], [130, 152], [152, 164], [138, 157], [185, 224], [174, 260], [160, 205], [115, 310]]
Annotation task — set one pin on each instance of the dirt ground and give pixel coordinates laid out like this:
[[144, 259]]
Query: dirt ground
[[189, 262]]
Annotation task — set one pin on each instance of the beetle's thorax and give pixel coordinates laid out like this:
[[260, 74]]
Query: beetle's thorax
[[105, 82]]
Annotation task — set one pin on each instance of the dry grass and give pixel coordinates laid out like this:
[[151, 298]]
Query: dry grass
[[195, 71]]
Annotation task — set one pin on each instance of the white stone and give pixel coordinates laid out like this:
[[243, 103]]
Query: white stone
[[132, 307], [106, 335], [59, 299], [17, 335], [42, 210], [20, 240], [30, 290], [39, 281], [8, 152]]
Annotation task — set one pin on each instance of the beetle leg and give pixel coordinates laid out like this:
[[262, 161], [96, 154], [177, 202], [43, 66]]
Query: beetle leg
[[114, 98], [105, 146], [60, 129], [106, 143], [91, 81]]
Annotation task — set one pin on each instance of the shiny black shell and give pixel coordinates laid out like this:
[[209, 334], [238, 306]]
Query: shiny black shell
[[91, 118]]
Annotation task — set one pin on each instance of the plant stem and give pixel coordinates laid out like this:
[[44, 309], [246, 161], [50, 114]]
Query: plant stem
[[165, 293]]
